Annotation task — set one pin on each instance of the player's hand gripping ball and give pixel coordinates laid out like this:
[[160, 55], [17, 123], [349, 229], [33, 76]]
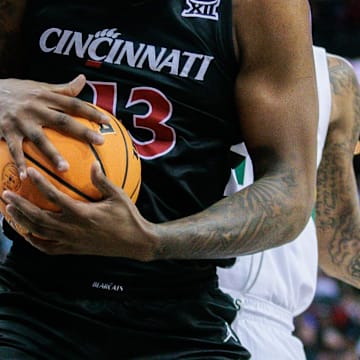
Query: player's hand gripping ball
[[117, 156]]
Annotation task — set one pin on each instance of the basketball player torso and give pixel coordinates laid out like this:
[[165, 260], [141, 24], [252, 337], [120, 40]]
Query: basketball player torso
[[167, 70]]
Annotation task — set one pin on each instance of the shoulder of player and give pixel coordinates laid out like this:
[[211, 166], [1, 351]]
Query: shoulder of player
[[269, 6], [342, 75], [270, 14], [268, 30], [345, 91], [344, 83]]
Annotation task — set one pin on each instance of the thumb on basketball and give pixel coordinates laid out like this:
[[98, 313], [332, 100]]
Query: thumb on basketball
[[102, 183]]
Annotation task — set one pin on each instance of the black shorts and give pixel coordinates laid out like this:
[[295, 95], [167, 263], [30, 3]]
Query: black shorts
[[37, 324]]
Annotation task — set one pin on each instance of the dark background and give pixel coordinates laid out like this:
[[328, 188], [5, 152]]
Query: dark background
[[336, 26]]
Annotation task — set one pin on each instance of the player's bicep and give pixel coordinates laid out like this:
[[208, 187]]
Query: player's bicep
[[275, 89]]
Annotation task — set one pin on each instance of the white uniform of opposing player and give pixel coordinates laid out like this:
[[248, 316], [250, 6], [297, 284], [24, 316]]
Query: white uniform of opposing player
[[274, 286]]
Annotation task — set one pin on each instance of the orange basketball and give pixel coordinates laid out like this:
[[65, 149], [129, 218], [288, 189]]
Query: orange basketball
[[117, 156]]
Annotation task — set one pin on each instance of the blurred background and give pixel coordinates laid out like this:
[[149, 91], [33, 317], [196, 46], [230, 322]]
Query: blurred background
[[336, 26], [330, 328]]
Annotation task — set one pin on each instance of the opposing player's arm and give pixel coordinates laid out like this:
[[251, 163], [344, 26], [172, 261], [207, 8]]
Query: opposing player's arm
[[337, 206], [275, 81]]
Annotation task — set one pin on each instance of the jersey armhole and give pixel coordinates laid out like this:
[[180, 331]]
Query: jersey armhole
[[225, 36]]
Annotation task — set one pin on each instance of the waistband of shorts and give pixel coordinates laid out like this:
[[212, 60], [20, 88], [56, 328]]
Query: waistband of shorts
[[100, 285], [115, 287], [257, 309]]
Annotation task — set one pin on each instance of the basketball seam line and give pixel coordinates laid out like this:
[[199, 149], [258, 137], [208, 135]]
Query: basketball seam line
[[97, 157], [127, 152], [59, 179], [136, 189]]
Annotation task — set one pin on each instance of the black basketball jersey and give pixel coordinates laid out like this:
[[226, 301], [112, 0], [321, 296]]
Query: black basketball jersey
[[167, 69]]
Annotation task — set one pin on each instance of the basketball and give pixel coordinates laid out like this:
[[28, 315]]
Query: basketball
[[117, 156]]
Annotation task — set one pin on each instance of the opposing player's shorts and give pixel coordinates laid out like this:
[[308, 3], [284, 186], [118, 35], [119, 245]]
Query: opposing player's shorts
[[266, 330], [37, 324]]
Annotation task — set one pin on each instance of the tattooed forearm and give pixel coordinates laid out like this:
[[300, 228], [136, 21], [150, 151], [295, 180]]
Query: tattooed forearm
[[337, 217], [11, 12], [337, 206], [257, 218]]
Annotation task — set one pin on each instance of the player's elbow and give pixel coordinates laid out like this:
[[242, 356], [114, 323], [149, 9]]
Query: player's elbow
[[298, 211], [305, 209], [304, 193], [288, 189]]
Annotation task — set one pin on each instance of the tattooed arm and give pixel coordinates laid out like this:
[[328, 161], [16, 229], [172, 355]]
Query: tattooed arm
[[11, 58], [337, 207]]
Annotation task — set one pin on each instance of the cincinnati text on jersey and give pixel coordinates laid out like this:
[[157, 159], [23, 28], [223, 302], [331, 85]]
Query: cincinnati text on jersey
[[106, 47]]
